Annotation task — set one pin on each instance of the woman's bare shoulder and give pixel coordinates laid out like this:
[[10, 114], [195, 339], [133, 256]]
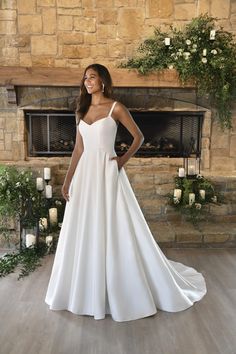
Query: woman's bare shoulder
[[119, 108]]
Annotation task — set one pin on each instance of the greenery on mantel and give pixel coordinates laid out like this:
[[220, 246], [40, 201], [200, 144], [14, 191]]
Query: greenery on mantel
[[199, 52]]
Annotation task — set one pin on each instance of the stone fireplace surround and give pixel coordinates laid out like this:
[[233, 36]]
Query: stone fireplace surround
[[151, 178]]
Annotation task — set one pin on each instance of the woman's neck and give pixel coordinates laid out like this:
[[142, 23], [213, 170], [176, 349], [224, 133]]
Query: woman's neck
[[97, 99]]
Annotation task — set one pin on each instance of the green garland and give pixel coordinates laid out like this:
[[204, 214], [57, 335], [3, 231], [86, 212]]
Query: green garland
[[210, 63], [28, 259]]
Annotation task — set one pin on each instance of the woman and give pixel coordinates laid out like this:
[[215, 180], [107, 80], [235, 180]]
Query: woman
[[107, 261]]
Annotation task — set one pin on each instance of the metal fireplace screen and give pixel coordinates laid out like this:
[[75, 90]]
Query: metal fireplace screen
[[172, 134]]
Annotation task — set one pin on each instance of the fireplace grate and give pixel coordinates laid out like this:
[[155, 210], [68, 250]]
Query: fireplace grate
[[172, 134], [50, 133]]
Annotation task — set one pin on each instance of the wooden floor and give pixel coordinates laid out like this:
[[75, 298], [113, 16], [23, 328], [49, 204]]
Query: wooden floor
[[209, 327]]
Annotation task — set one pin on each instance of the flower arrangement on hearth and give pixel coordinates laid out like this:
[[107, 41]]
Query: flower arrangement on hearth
[[193, 196], [30, 203], [199, 52]]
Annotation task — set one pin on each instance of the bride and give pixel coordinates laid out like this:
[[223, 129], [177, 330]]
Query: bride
[[107, 261]]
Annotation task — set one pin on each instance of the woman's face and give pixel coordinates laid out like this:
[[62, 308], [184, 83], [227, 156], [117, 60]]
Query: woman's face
[[92, 81]]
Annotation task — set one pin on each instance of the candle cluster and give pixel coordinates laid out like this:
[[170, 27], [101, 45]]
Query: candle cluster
[[44, 223], [192, 194]]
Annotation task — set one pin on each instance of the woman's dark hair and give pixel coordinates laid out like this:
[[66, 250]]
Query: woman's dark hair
[[84, 99]]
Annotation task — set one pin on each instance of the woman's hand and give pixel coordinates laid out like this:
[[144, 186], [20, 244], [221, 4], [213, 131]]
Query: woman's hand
[[119, 161], [65, 191]]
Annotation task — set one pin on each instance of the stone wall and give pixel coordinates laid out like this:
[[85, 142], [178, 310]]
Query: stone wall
[[74, 33]]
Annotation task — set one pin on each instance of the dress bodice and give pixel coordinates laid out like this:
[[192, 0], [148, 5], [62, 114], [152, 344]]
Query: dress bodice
[[99, 135]]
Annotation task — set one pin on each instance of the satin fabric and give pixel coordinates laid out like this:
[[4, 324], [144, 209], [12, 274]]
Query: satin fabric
[[107, 261]]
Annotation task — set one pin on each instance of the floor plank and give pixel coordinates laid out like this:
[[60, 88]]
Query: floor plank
[[28, 326]]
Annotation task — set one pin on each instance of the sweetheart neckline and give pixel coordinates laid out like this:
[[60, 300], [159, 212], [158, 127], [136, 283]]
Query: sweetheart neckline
[[98, 120]]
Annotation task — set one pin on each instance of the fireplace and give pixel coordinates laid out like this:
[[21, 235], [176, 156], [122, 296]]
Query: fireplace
[[167, 134]]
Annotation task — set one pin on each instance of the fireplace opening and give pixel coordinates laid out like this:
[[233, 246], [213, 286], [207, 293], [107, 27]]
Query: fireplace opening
[[50, 133], [166, 134]]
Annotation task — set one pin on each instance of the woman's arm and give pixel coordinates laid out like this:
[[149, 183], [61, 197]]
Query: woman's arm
[[121, 114], [77, 152]]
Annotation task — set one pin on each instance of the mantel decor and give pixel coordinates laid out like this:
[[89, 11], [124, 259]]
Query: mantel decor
[[200, 52]]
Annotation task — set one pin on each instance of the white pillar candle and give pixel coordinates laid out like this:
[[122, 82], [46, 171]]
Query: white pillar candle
[[202, 193], [177, 193], [47, 173], [48, 191], [43, 224], [53, 216], [191, 198], [167, 41], [49, 240], [212, 34], [39, 184], [30, 240], [181, 172], [204, 52], [191, 170]]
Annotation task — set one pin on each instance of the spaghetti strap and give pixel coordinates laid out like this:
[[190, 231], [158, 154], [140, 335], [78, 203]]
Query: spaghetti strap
[[111, 110]]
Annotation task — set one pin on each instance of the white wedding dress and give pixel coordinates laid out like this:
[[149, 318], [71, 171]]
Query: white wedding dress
[[107, 261]]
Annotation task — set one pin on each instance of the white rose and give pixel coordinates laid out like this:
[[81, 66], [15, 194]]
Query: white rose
[[214, 51], [188, 42], [198, 206], [204, 60], [186, 55]]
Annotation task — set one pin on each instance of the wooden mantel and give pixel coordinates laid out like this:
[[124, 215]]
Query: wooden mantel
[[42, 76]]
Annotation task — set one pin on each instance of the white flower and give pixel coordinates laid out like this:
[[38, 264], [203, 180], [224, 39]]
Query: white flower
[[199, 176], [171, 67], [198, 206], [214, 199], [27, 179], [204, 52], [186, 55], [58, 202], [18, 184], [33, 199], [176, 200], [194, 46], [204, 60], [193, 50], [188, 42], [180, 50], [214, 51]]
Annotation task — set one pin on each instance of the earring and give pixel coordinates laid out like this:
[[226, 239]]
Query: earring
[[103, 87]]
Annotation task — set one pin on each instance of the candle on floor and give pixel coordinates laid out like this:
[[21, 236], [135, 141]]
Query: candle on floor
[[191, 198], [48, 191], [202, 193], [47, 173], [49, 240], [39, 184], [43, 224], [177, 193], [204, 52], [181, 172], [53, 216], [30, 240]]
